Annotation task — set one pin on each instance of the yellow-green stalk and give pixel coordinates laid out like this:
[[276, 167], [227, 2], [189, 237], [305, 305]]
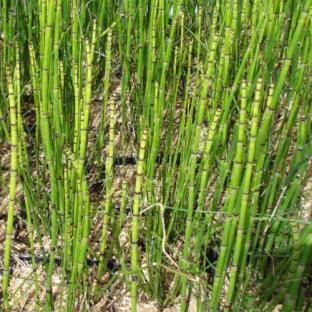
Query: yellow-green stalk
[[12, 193], [135, 221]]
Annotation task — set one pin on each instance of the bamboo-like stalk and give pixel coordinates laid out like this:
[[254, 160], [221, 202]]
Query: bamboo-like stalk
[[141, 43], [245, 189], [193, 160], [135, 221], [108, 61], [305, 258], [47, 141], [199, 225], [294, 261], [12, 192], [109, 173], [230, 222], [256, 186]]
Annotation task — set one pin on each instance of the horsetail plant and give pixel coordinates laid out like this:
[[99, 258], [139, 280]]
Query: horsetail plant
[[108, 189], [162, 148], [12, 194], [135, 220]]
